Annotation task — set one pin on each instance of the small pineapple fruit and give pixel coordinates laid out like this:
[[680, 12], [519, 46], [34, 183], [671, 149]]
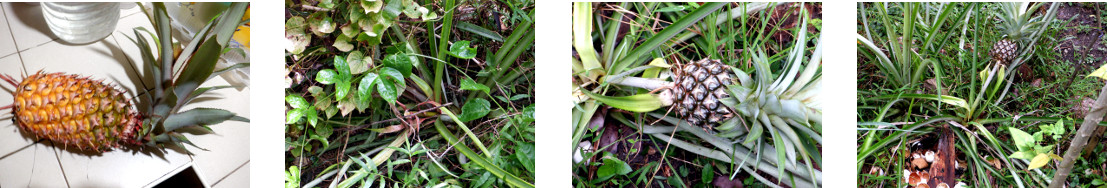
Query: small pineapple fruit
[[1004, 51], [75, 111], [696, 91]]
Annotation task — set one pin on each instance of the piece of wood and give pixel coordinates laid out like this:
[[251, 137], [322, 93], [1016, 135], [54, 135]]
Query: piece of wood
[[943, 170]]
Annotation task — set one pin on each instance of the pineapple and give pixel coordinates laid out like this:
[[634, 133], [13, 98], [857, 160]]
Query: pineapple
[[90, 115], [75, 111], [697, 88], [1004, 51]]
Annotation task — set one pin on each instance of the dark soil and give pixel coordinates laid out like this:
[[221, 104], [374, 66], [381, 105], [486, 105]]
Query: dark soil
[[1082, 35]]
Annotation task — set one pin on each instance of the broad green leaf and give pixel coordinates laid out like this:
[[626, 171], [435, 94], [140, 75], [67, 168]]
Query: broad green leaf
[[396, 77], [475, 108], [294, 116], [341, 89], [528, 114], [357, 62], [326, 76], [612, 167], [342, 68], [296, 101], [634, 103], [469, 84], [1038, 161], [524, 152], [1022, 140], [342, 43], [1022, 155], [387, 90], [461, 49], [365, 87], [399, 61], [324, 131], [312, 116]]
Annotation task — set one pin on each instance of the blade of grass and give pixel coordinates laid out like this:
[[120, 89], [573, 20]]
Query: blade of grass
[[480, 160]]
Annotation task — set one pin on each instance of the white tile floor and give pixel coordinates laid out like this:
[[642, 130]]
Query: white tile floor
[[27, 46]]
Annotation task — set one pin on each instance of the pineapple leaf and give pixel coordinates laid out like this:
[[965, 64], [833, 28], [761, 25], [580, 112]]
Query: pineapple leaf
[[229, 21], [203, 90], [634, 103], [198, 116], [202, 63], [230, 68]]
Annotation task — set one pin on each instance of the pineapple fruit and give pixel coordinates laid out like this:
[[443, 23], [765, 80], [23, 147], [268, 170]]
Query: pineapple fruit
[[697, 88], [75, 111], [90, 115], [1004, 51]]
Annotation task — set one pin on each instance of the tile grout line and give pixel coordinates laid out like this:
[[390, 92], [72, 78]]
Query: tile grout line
[[58, 157], [231, 173], [12, 34]]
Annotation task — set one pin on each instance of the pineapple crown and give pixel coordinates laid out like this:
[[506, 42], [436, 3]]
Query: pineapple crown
[[179, 78]]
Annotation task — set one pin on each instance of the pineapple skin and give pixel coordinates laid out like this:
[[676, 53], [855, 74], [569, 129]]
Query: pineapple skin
[[1003, 51], [698, 87], [76, 112]]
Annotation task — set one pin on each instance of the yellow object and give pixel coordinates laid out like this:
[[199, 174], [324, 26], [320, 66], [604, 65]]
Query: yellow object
[[1101, 72], [242, 33], [76, 112]]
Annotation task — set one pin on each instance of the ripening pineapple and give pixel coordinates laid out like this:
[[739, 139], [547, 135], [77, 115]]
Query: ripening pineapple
[[75, 111], [79, 112], [696, 91], [1004, 51]]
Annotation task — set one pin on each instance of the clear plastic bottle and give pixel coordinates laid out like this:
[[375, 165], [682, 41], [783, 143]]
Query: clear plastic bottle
[[81, 23]]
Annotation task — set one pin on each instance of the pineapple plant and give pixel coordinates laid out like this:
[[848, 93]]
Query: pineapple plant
[[80, 112]]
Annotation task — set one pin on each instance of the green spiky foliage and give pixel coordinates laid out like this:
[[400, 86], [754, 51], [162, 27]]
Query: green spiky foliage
[[178, 79]]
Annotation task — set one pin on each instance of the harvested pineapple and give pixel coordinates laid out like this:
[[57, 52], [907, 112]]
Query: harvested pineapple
[[79, 112], [75, 111]]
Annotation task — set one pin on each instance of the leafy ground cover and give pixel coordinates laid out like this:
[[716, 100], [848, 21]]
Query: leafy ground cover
[[407, 93]]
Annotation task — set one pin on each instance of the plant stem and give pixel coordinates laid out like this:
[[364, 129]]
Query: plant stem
[[644, 83], [439, 70], [1086, 128]]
